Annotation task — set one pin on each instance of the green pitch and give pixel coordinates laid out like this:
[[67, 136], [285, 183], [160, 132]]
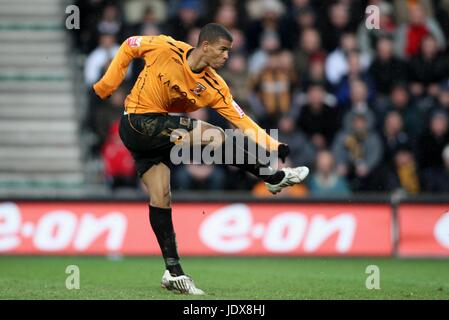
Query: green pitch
[[225, 278]]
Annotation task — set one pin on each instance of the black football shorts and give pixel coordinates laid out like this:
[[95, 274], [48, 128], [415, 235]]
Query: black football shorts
[[147, 137]]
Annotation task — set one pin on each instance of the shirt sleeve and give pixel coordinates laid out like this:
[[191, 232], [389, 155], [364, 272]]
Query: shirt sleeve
[[225, 105], [131, 48]]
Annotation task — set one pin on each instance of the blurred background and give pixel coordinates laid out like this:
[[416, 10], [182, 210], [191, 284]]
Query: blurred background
[[366, 109]]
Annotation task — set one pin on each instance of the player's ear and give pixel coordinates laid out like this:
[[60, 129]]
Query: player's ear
[[205, 46]]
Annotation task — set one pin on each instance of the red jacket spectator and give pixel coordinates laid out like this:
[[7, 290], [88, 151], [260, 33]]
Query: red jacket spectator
[[117, 160]]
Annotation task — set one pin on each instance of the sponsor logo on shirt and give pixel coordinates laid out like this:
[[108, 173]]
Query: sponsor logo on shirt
[[238, 109], [167, 82], [134, 42]]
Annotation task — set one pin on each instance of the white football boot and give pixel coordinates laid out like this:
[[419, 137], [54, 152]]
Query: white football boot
[[183, 284], [292, 176]]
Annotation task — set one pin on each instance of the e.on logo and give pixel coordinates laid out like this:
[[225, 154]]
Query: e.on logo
[[441, 230], [60, 230], [232, 229]]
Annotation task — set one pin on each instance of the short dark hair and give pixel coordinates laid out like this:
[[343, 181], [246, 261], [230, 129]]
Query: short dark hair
[[212, 32]]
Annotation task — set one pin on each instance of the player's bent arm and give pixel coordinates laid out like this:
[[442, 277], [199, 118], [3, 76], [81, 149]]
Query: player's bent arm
[[256, 133], [234, 114], [225, 105], [131, 48]]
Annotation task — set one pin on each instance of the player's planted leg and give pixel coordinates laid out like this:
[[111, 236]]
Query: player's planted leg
[[157, 181]]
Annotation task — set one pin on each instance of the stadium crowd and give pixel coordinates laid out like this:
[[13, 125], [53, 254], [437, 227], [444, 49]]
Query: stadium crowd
[[366, 108]]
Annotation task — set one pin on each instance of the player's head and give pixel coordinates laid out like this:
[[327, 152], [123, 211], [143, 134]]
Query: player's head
[[214, 42]]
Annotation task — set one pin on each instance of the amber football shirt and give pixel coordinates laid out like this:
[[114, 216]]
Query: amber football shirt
[[167, 84]]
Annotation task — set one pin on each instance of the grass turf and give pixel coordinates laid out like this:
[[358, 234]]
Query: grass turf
[[225, 278]]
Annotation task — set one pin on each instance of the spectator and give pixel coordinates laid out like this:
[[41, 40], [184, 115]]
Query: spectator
[[199, 177], [410, 34], [268, 23], [441, 102], [236, 75], [355, 72], [394, 137], [111, 22], [404, 173], [227, 16], [192, 36], [309, 50], [299, 19], [269, 44], [325, 181], [315, 73], [119, 167], [239, 7], [427, 68], [433, 141], [149, 24], [103, 114], [359, 102], [302, 151], [99, 59], [338, 23], [358, 152], [317, 119], [386, 69], [368, 38], [401, 102], [401, 8], [437, 179], [147, 28], [86, 37], [273, 89], [187, 18], [337, 64], [442, 15], [174, 6], [443, 96]]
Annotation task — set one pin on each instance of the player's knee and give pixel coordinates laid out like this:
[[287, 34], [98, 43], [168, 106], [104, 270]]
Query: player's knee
[[160, 202], [160, 198]]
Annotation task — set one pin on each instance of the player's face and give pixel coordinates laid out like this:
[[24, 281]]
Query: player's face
[[217, 53]]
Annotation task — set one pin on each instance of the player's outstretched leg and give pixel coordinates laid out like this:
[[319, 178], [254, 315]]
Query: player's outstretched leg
[[278, 179], [157, 181], [275, 181]]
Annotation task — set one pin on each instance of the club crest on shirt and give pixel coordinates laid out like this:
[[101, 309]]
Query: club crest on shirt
[[198, 89]]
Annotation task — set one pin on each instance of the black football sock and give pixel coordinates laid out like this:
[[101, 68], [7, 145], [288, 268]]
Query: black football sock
[[275, 178], [251, 163], [161, 222]]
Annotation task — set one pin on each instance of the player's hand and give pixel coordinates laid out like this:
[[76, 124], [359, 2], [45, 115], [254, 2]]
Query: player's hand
[[283, 152], [94, 94]]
